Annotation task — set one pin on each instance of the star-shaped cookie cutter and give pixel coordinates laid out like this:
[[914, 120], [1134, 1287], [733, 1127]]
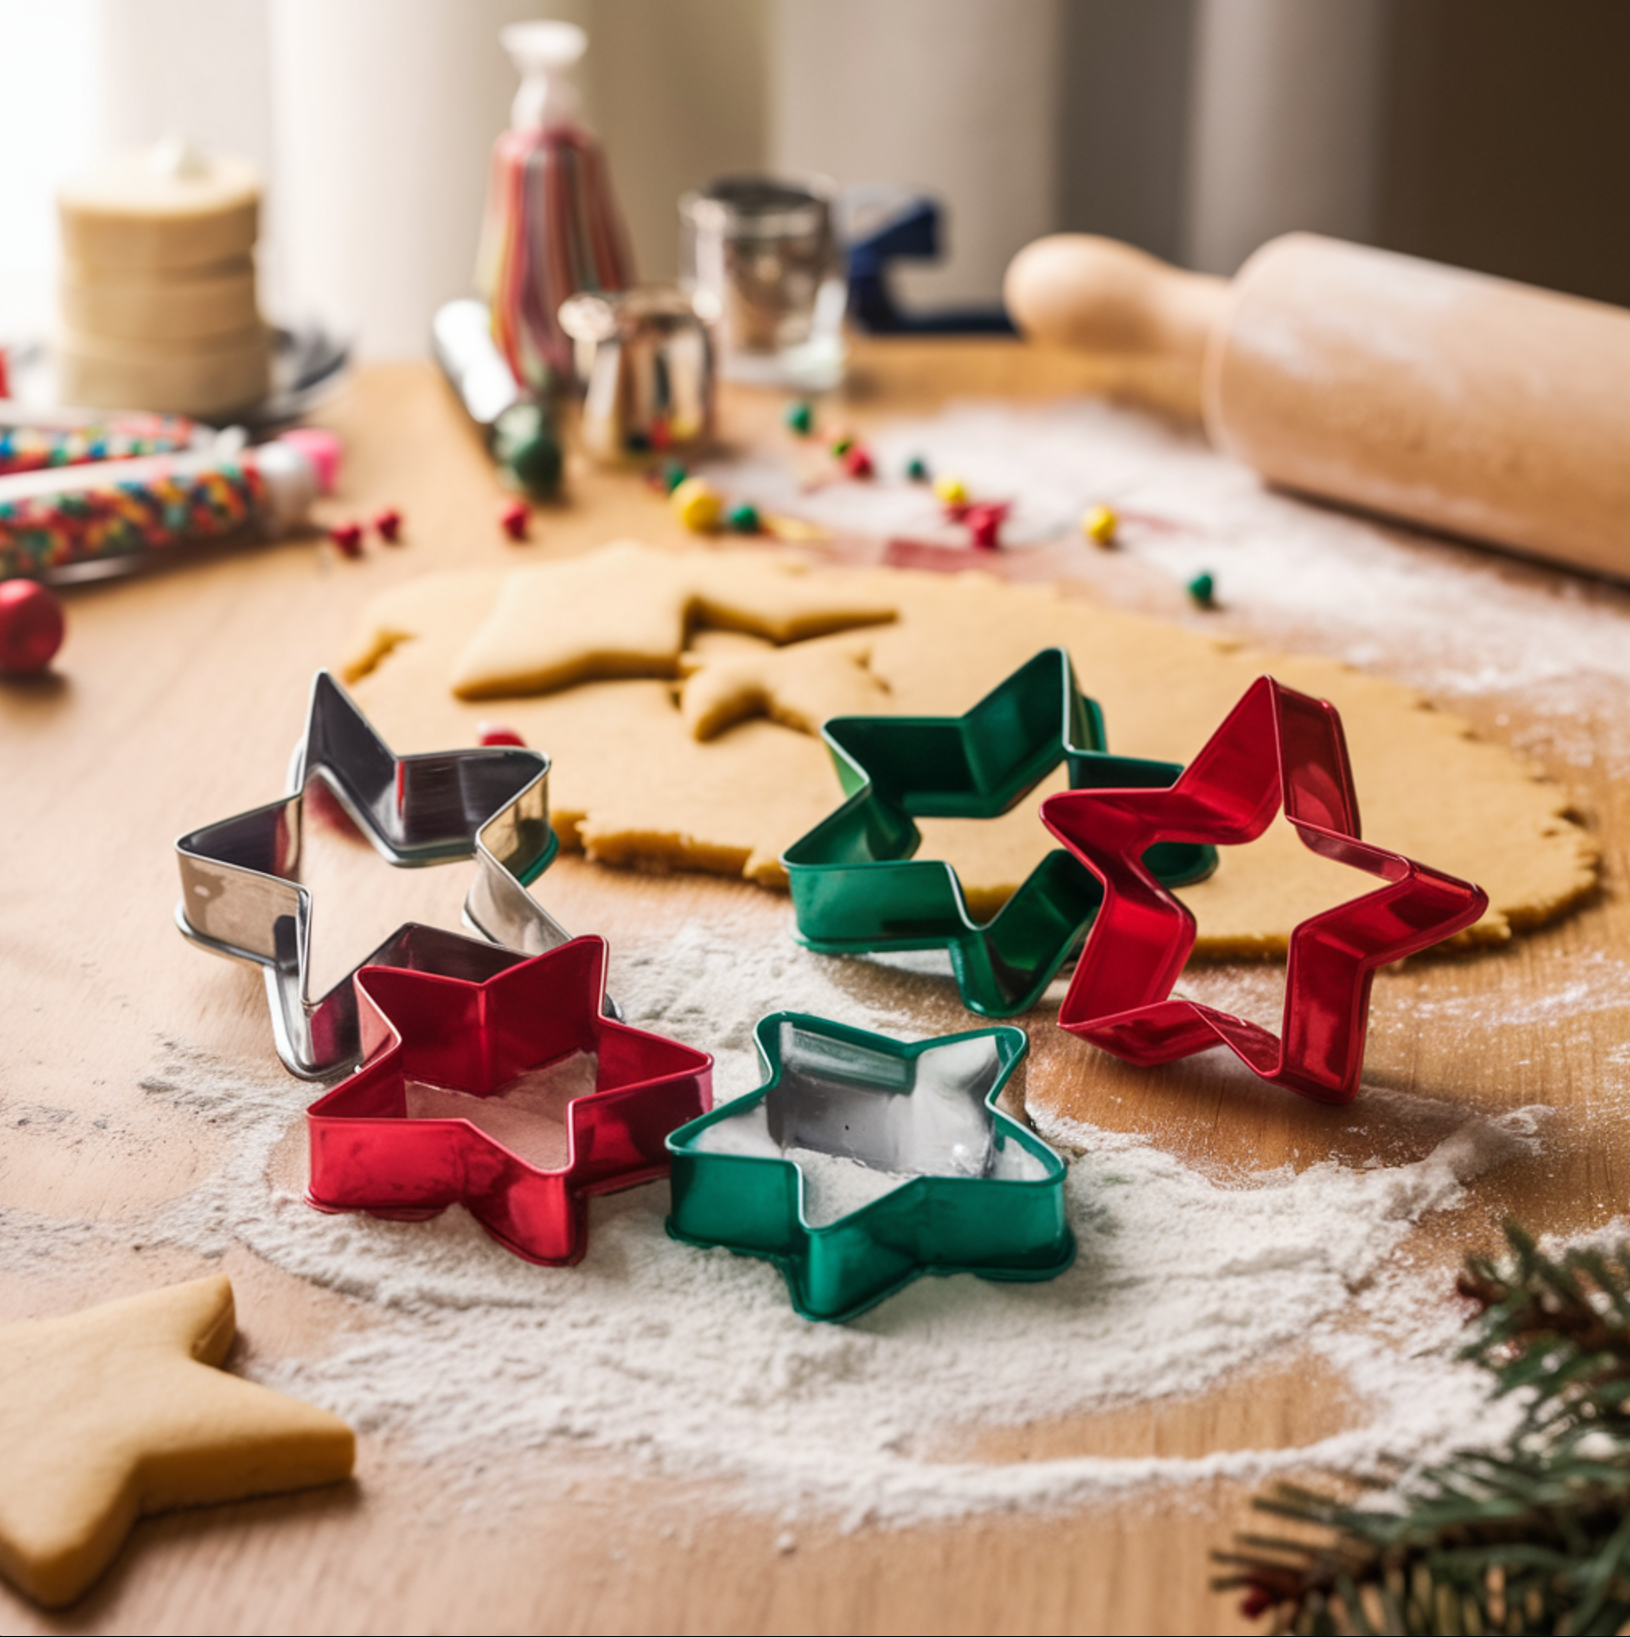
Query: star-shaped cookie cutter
[[858, 888], [976, 1192], [240, 896], [440, 1043], [1277, 748]]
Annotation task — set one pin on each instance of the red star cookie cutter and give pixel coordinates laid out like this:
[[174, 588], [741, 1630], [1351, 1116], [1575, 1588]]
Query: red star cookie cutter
[[471, 1094], [1276, 747]]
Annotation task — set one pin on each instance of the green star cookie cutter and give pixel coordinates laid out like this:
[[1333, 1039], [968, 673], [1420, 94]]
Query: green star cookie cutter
[[857, 887], [792, 1172]]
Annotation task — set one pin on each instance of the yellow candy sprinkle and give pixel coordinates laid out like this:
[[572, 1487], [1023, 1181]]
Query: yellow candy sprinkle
[[1099, 524], [697, 504], [952, 490]]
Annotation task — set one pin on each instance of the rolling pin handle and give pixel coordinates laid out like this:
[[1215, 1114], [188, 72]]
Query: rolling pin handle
[[1098, 296]]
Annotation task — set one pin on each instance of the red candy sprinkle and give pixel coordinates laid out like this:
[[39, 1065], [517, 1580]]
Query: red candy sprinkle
[[856, 461], [389, 524], [515, 519], [495, 733], [31, 627], [984, 525], [348, 537]]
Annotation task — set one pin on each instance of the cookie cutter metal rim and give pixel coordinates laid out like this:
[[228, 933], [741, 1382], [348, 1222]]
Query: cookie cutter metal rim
[[1121, 995], [489, 803], [615, 1132], [855, 905], [847, 1244]]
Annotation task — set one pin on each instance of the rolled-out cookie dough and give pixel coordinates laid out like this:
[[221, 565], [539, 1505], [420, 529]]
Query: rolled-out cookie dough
[[631, 785]]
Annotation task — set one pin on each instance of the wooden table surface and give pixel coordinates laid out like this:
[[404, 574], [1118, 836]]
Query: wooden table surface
[[175, 702]]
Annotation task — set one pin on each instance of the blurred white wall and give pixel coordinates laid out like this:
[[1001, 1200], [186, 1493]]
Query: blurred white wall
[[1286, 126], [960, 97], [1195, 127], [47, 128]]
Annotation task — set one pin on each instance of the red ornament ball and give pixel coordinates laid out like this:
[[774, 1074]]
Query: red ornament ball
[[348, 538], [389, 524], [31, 627], [515, 519], [495, 733]]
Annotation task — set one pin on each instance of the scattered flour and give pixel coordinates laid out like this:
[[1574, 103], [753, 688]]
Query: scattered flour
[[693, 1364], [835, 1185], [1450, 619]]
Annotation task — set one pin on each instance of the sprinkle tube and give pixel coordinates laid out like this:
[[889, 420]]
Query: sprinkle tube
[[34, 439], [82, 522]]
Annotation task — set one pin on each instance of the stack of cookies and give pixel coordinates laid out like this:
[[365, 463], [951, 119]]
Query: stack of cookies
[[158, 285]]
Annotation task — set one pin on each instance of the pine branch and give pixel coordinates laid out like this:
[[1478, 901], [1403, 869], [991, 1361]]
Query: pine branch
[[1531, 1538]]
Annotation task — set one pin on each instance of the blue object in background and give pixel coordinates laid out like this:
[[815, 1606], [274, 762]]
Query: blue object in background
[[882, 223]]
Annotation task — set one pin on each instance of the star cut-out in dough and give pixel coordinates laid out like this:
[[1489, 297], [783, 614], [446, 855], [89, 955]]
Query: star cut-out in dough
[[799, 686], [122, 1410], [1276, 749], [975, 1192], [624, 611]]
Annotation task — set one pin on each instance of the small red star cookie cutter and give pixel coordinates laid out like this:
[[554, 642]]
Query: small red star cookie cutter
[[465, 1097], [1276, 748]]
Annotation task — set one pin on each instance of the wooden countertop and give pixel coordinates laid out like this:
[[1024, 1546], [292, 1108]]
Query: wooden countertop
[[175, 702]]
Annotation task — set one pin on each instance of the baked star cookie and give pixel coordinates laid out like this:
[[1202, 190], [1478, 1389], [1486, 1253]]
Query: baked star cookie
[[122, 1410]]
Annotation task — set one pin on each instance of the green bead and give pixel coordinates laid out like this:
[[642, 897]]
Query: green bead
[[917, 469], [800, 416], [1203, 589], [526, 448], [744, 518]]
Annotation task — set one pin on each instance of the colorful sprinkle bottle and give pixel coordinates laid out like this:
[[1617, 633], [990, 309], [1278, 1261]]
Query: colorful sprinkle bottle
[[84, 521], [33, 439], [551, 227]]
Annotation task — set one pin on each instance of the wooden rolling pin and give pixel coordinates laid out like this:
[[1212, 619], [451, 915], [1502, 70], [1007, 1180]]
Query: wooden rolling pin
[[1464, 402]]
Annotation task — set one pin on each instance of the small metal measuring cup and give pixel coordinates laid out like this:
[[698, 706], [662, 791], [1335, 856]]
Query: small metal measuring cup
[[646, 358], [766, 251]]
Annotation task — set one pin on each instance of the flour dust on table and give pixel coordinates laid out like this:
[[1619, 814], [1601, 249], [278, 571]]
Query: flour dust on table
[[1459, 622], [692, 1363]]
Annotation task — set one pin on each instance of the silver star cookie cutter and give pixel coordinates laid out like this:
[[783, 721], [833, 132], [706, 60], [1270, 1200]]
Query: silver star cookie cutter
[[241, 896]]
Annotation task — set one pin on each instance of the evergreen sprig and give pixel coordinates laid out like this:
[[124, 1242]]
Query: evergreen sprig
[[1531, 1537]]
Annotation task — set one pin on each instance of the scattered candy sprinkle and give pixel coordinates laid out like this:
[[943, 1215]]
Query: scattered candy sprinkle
[[515, 519], [348, 538], [841, 445], [1203, 589], [495, 733], [917, 469], [743, 518], [671, 475], [31, 627], [984, 526], [857, 462], [389, 524], [800, 416], [952, 490], [697, 504], [1099, 524]]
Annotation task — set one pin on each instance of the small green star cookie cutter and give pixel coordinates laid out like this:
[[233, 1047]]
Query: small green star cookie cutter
[[857, 887], [774, 1174]]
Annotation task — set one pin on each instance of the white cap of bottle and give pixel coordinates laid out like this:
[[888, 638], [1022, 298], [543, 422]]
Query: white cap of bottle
[[543, 54]]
